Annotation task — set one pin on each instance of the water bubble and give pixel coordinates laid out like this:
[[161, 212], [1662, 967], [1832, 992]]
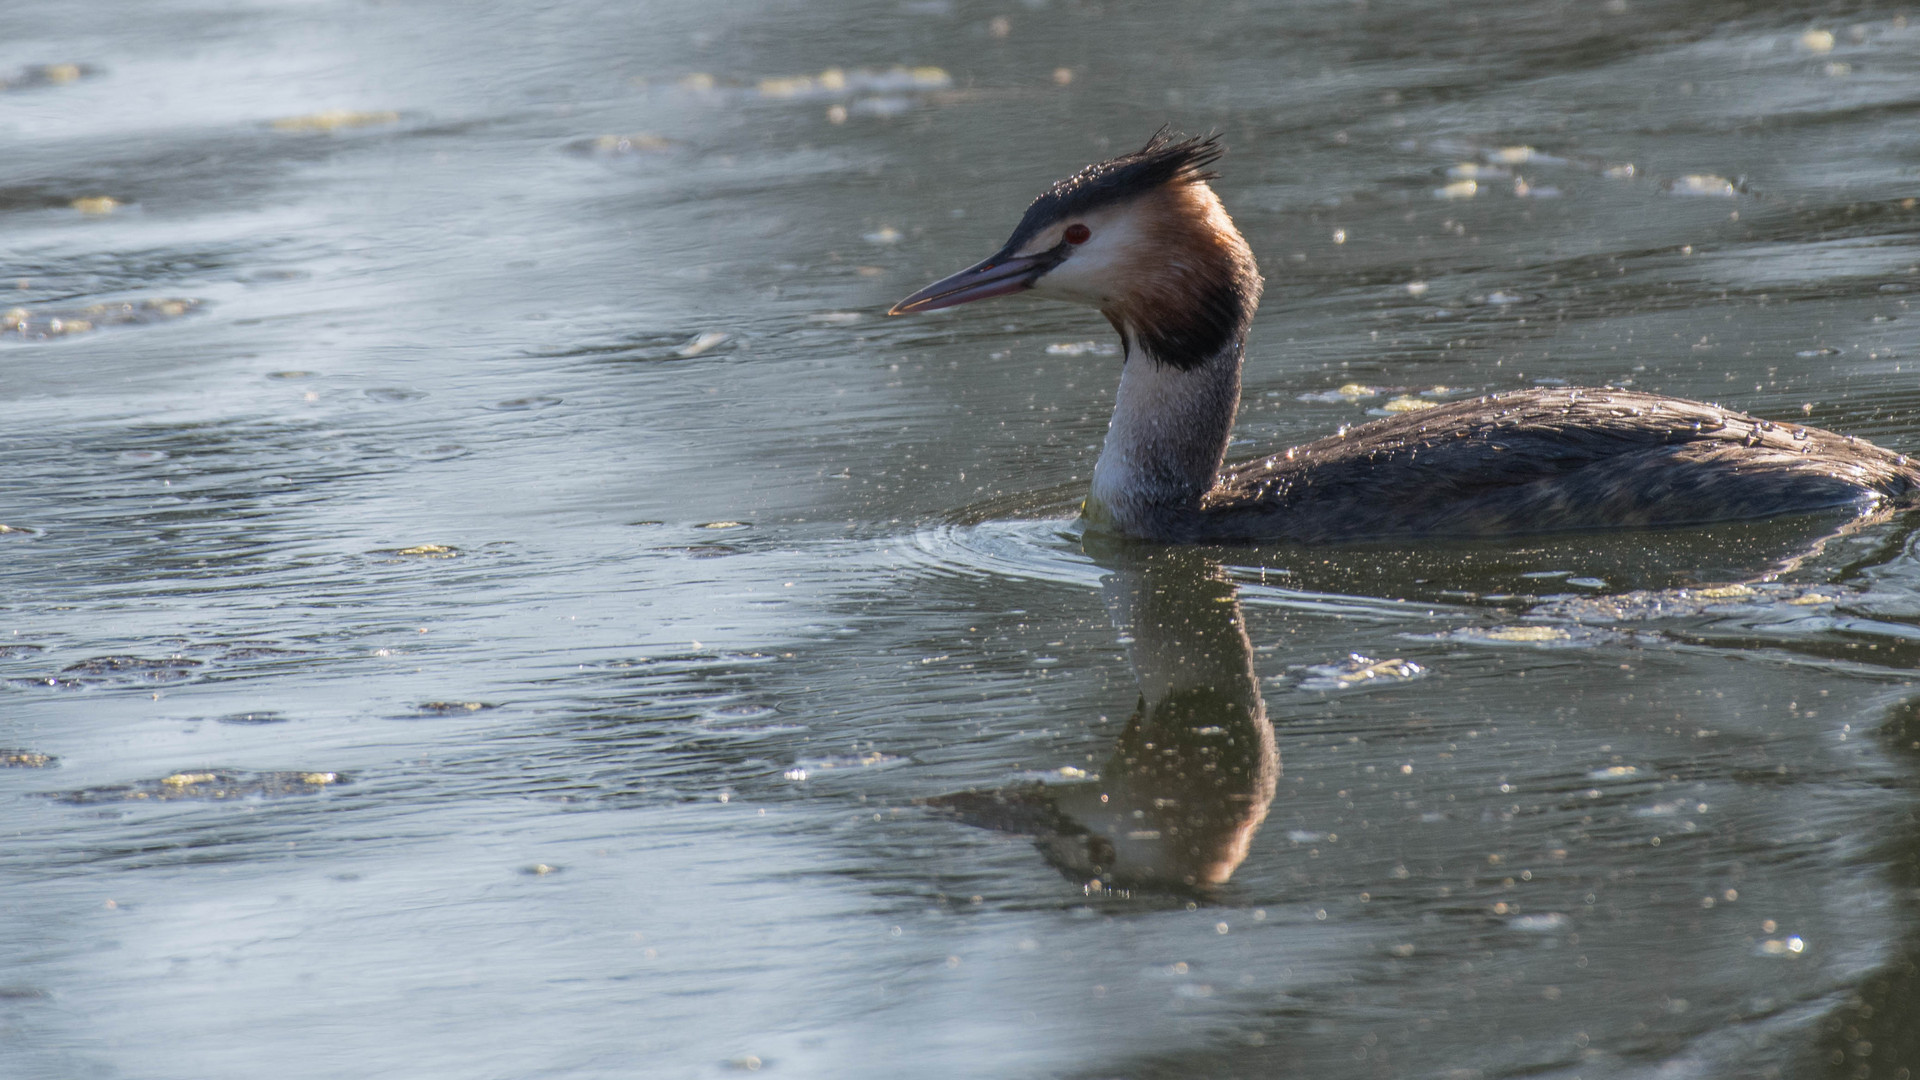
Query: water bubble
[[252, 718], [1520, 155], [392, 395], [426, 551], [332, 120], [1345, 394], [1701, 184], [1473, 170], [1083, 348], [41, 75], [1538, 635], [218, 785], [1543, 923], [451, 708], [700, 343], [1790, 946], [1503, 298], [1357, 670], [45, 324], [622, 145], [882, 106]]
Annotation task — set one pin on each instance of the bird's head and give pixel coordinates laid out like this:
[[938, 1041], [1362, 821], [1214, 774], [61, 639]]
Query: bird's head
[[1141, 237]]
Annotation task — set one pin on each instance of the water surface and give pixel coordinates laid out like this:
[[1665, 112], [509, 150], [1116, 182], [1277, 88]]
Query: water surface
[[486, 592]]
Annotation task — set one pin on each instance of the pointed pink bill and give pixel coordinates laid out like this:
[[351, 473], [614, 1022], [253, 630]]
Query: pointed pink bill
[[995, 276]]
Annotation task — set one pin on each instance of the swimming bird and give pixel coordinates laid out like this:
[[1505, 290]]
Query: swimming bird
[[1144, 239]]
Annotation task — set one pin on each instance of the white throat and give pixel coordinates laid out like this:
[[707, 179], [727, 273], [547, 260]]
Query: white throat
[[1165, 443]]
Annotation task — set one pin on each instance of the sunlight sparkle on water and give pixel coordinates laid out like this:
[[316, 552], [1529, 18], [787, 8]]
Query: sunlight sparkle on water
[[476, 548]]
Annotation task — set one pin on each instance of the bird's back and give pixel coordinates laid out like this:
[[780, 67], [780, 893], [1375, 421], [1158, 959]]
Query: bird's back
[[1547, 460]]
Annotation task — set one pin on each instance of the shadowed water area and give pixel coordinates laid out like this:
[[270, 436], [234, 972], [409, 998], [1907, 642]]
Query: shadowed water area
[[485, 592]]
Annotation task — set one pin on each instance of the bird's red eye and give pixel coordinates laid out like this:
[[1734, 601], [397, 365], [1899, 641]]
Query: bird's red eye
[[1078, 234]]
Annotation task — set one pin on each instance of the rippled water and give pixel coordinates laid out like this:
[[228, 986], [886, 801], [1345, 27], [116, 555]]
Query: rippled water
[[487, 593]]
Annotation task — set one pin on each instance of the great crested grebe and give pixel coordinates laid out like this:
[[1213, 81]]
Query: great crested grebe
[[1144, 239]]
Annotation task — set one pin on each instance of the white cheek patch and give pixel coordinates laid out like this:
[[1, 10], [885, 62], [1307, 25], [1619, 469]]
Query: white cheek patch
[[1097, 271], [1085, 278]]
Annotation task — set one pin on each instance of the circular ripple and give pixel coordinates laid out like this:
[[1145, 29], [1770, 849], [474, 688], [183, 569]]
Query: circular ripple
[[1046, 550]]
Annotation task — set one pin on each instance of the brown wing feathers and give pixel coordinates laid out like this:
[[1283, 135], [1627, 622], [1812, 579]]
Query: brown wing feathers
[[1546, 460]]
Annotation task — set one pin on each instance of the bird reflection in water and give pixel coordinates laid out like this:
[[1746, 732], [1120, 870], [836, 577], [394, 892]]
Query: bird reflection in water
[[1189, 781]]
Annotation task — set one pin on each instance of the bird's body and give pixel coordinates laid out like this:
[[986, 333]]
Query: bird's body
[[1144, 239], [1544, 461]]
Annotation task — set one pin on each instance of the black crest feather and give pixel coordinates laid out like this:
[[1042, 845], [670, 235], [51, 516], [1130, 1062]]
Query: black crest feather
[[1166, 159]]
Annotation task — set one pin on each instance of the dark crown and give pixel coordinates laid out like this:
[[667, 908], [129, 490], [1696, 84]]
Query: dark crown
[[1164, 160]]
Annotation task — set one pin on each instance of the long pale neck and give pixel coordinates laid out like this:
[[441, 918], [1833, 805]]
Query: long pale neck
[[1165, 443]]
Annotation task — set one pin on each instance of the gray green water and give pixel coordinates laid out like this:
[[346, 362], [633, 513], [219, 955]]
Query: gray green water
[[487, 594]]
